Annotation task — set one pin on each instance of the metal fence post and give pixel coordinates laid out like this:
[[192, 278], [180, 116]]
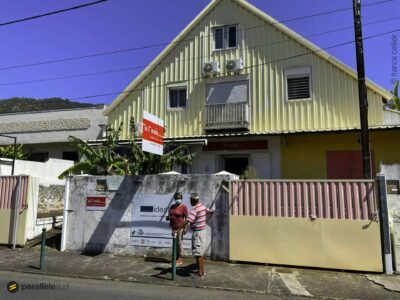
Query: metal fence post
[[384, 226], [173, 256], [43, 250]]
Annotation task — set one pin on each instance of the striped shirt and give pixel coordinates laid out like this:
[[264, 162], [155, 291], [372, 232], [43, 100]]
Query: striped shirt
[[197, 217]]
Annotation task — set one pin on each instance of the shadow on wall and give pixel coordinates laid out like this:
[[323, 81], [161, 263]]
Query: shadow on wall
[[112, 217]]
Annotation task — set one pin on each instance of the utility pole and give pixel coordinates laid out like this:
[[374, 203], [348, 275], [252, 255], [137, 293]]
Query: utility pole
[[362, 90]]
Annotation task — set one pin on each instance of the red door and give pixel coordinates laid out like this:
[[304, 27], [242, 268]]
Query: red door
[[346, 164]]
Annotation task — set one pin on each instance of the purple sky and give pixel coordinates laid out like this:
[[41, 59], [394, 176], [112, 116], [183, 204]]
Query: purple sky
[[120, 24]]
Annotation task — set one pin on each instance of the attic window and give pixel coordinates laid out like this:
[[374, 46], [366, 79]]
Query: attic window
[[298, 83], [225, 37]]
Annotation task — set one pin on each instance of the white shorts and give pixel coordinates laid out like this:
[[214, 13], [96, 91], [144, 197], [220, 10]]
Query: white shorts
[[198, 242]]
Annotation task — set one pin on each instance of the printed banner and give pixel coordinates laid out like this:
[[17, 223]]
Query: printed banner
[[149, 226]]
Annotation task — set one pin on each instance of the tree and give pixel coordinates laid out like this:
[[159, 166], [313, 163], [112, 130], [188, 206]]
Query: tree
[[105, 159], [8, 152], [99, 160], [394, 103]]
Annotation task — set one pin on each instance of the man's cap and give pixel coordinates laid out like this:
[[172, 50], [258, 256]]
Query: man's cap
[[194, 196], [178, 195]]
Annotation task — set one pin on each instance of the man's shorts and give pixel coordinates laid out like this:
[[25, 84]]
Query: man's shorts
[[198, 242]]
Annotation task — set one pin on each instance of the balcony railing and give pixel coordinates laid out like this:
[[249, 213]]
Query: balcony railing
[[227, 116]]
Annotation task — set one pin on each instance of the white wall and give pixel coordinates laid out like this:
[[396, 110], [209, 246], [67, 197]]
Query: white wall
[[267, 162], [47, 172]]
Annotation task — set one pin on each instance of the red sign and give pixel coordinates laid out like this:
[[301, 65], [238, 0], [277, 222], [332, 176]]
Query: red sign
[[152, 132], [96, 203]]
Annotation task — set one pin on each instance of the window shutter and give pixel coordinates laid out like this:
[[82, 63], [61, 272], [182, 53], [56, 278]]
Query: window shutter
[[298, 87], [228, 92]]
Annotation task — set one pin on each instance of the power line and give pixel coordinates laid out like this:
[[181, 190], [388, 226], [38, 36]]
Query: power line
[[51, 13], [182, 60], [176, 42], [248, 67]]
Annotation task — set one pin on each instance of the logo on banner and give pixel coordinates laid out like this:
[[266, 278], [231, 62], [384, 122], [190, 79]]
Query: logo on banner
[[152, 134]]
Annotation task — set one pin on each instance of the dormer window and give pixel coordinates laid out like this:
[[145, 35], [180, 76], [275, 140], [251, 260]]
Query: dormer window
[[225, 37]]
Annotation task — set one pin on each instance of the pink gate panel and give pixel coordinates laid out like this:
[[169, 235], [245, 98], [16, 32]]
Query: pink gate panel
[[8, 191], [328, 199]]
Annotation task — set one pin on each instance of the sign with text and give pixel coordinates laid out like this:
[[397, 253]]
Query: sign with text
[[95, 203], [149, 225], [152, 134]]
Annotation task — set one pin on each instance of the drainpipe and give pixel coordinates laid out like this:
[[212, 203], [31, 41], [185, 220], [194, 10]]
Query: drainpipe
[[65, 214]]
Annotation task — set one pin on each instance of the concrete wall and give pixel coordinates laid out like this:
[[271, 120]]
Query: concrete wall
[[392, 172], [47, 172], [109, 230], [51, 197], [267, 162]]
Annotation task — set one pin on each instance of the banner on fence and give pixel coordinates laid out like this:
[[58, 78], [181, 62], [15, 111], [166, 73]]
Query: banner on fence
[[149, 224]]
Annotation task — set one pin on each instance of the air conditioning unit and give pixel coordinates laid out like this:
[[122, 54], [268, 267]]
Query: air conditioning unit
[[210, 68], [234, 65]]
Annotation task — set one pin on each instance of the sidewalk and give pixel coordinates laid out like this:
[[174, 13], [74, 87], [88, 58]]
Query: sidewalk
[[220, 275]]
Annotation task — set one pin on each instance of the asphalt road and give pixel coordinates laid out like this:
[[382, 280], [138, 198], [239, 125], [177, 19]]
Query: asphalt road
[[43, 287]]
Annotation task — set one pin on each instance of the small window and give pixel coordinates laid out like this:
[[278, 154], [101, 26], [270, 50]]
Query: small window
[[225, 37], [298, 83], [177, 97], [70, 155], [39, 156]]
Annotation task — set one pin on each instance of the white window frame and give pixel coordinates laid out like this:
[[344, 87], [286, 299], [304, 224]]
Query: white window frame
[[177, 86], [295, 73], [225, 37]]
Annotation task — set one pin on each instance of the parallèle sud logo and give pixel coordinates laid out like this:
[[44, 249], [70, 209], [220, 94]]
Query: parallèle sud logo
[[12, 287]]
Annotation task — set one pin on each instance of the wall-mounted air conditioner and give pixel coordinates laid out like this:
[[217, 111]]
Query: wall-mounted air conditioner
[[234, 65], [210, 68]]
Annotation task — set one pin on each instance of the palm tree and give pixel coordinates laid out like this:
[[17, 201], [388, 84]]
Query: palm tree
[[100, 160], [8, 152]]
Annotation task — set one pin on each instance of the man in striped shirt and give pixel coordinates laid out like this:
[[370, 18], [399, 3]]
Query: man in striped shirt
[[198, 217]]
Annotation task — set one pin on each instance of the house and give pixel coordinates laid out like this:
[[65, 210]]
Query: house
[[44, 134], [242, 89]]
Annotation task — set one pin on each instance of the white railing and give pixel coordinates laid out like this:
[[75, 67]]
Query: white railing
[[227, 116]]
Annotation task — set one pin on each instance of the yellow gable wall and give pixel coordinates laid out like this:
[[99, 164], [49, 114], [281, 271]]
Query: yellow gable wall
[[303, 156], [334, 103]]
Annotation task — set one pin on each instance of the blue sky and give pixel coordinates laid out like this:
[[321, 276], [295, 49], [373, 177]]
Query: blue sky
[[120, 24]]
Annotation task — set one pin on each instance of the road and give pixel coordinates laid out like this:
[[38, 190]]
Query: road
[[43, 287]]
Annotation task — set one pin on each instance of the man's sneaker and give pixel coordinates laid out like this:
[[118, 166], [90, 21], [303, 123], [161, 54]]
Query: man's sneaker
[[197, 276]]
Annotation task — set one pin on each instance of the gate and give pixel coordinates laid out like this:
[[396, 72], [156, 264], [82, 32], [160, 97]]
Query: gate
[[327, 223], [13, 209]]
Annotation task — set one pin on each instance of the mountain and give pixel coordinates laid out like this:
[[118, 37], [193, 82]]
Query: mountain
[[20, 104]]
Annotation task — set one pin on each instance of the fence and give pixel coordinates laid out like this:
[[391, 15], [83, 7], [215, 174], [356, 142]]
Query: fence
[[326, 224], [18, 207], [345, 200]]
